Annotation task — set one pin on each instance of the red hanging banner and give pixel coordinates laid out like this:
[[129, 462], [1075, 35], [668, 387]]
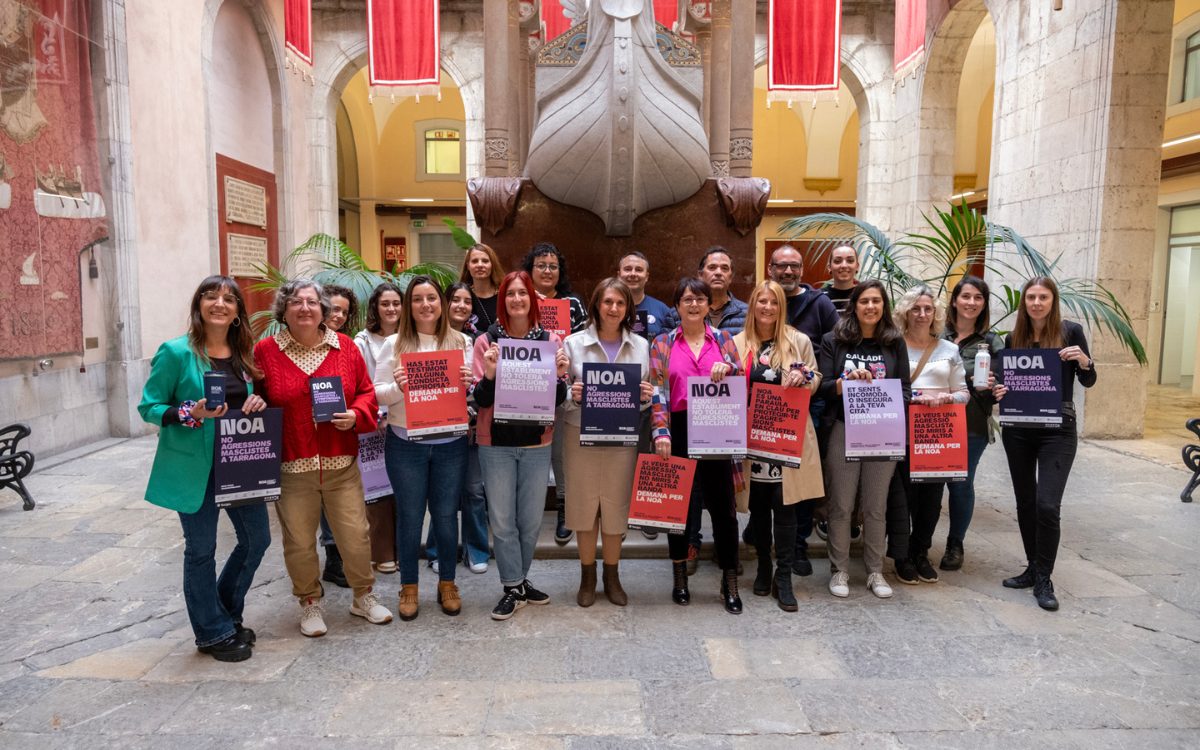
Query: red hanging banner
[[910, 37], [804, 47], [297, 23], [402, 36]]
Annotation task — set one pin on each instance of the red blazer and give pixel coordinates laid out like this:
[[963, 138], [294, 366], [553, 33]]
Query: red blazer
[[285, 385]]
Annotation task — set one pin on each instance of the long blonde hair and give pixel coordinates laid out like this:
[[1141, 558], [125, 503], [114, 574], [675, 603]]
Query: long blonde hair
[[783, 352], [407, 339]]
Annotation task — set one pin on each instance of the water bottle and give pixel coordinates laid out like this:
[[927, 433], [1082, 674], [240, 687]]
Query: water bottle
[[983, 365]]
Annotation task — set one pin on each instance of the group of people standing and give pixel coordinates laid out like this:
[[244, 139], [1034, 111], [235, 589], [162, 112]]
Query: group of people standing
[[495, 478]]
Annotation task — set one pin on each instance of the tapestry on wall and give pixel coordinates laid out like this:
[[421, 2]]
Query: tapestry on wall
[[51, 207], [297, 23], [804, 47], [560, 15], [402, 36], [910, 37]]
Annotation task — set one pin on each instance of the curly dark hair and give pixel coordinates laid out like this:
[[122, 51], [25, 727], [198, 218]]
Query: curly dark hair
[[374, 324], [541, 250], [334, 290]]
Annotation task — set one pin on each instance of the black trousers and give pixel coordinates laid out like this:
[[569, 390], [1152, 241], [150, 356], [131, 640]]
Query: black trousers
[[898, 522], [1039, 461], [924, 509], [712, 489]]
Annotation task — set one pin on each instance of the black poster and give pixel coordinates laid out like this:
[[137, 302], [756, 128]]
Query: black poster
[[247, 456], [327, 398], [1033, 378], [611, 404], [642, 326]]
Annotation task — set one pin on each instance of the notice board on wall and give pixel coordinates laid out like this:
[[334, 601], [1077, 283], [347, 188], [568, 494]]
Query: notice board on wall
[[248, 226]]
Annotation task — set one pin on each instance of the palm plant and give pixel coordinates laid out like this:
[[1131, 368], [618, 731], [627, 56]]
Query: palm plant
[[957, 240], [334, 262]]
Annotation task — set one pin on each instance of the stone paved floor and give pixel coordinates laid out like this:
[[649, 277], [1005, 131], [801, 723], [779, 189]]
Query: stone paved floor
[[97, 651]]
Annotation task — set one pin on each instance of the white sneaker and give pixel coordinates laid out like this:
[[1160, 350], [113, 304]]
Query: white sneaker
[[839, 584], [370, 608], [479, 567], [311, 622], [434, 565], [878, 586], [387, 567]]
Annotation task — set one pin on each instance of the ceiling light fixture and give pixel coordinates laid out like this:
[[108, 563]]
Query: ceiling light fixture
[[779, 200], [417, 200], [962, 195], [1184, 139]]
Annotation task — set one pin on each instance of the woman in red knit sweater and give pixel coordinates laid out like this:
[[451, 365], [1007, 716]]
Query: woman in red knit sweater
[[319, 458]]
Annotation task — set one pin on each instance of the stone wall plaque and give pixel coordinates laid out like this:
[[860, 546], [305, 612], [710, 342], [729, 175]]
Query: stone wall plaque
[[244, 252], [245, 202]]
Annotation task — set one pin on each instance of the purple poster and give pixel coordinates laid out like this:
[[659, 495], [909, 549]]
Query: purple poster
[[875, 426], [717, 418], [1034, 381], [370, 463], [526, 377]]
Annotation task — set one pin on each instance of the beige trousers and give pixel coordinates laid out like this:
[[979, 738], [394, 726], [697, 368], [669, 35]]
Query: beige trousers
[[340, 493]]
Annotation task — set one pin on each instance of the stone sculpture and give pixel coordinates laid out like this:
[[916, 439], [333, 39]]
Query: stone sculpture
[[620, 132]]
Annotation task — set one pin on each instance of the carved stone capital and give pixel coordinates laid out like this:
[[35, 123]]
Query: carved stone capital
[[718, 168], [494, 200], [744, 200], [741, 148], [495, 149]]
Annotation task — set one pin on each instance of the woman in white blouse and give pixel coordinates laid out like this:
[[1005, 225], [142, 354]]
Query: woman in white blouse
[[938, 378], [428, 474]]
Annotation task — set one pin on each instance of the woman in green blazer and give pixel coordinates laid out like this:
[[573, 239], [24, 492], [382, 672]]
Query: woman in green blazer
[[218, 339]]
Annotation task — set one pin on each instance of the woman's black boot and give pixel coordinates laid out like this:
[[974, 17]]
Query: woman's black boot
[[729, 592], [785, 550], [762, 581], [679, 592], [953, 559], [1043, 590]]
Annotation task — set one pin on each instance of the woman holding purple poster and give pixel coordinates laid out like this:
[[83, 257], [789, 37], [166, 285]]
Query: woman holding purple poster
[[864, 345], [696, 349], [600, 479], [515, 458], [1051, 450]]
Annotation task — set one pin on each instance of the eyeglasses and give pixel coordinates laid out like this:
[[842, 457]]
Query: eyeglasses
[[297, 304], [693, 302], [546, 267], [228, 299], [787, 266]]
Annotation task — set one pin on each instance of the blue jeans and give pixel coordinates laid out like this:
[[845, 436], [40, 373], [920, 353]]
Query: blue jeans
[[962, 494], [472, 505], [215, 604], [424, 476], [516, 485]]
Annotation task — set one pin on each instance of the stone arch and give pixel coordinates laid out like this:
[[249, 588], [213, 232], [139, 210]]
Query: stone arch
[[267, 31], [938, 84], [339, 53]]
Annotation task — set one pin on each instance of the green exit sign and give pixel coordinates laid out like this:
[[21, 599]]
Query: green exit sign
[[418, 223]]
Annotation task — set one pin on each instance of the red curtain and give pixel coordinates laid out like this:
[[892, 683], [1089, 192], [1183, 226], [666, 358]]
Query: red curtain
[[51, 200], [910, 37], [666, 12], [803, 49], [403, 39], [297, 23]]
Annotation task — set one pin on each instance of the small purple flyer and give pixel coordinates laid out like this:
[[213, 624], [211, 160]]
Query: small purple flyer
[[717, 418], [526, 379], [875, 424]]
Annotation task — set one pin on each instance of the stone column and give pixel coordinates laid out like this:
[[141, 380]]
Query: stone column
[[704, 42], [516, 86], [741, 89], [718, 132], [495, 86]]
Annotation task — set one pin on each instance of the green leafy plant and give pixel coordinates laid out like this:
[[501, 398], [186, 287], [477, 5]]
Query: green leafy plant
[[957, 240], [462, 237], [331, 261]]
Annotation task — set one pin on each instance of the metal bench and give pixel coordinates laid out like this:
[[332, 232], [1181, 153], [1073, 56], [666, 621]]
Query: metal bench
[[1191, 459], [15, 465]]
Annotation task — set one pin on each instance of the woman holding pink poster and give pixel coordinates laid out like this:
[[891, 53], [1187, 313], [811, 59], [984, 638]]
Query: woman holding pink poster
[[774, 353], [696, 349]]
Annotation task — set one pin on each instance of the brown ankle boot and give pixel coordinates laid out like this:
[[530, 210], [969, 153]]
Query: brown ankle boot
[[587, 585], [448, 598], [612, 586], [408, 602]]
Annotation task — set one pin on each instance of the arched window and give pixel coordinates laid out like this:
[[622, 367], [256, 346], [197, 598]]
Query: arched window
[[1191, 68], [440, 150]]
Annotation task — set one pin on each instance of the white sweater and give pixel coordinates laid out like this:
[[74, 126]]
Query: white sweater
[[585, 346], [943, 373], [388, 393]]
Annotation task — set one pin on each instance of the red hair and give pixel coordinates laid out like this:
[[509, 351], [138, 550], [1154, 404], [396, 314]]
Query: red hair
[[535, 319]]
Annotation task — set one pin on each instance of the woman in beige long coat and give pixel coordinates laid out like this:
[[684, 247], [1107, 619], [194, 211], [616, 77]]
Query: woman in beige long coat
[[777, 354]]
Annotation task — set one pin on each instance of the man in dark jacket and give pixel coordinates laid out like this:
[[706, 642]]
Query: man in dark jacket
[[813, 314], [726, 311]]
